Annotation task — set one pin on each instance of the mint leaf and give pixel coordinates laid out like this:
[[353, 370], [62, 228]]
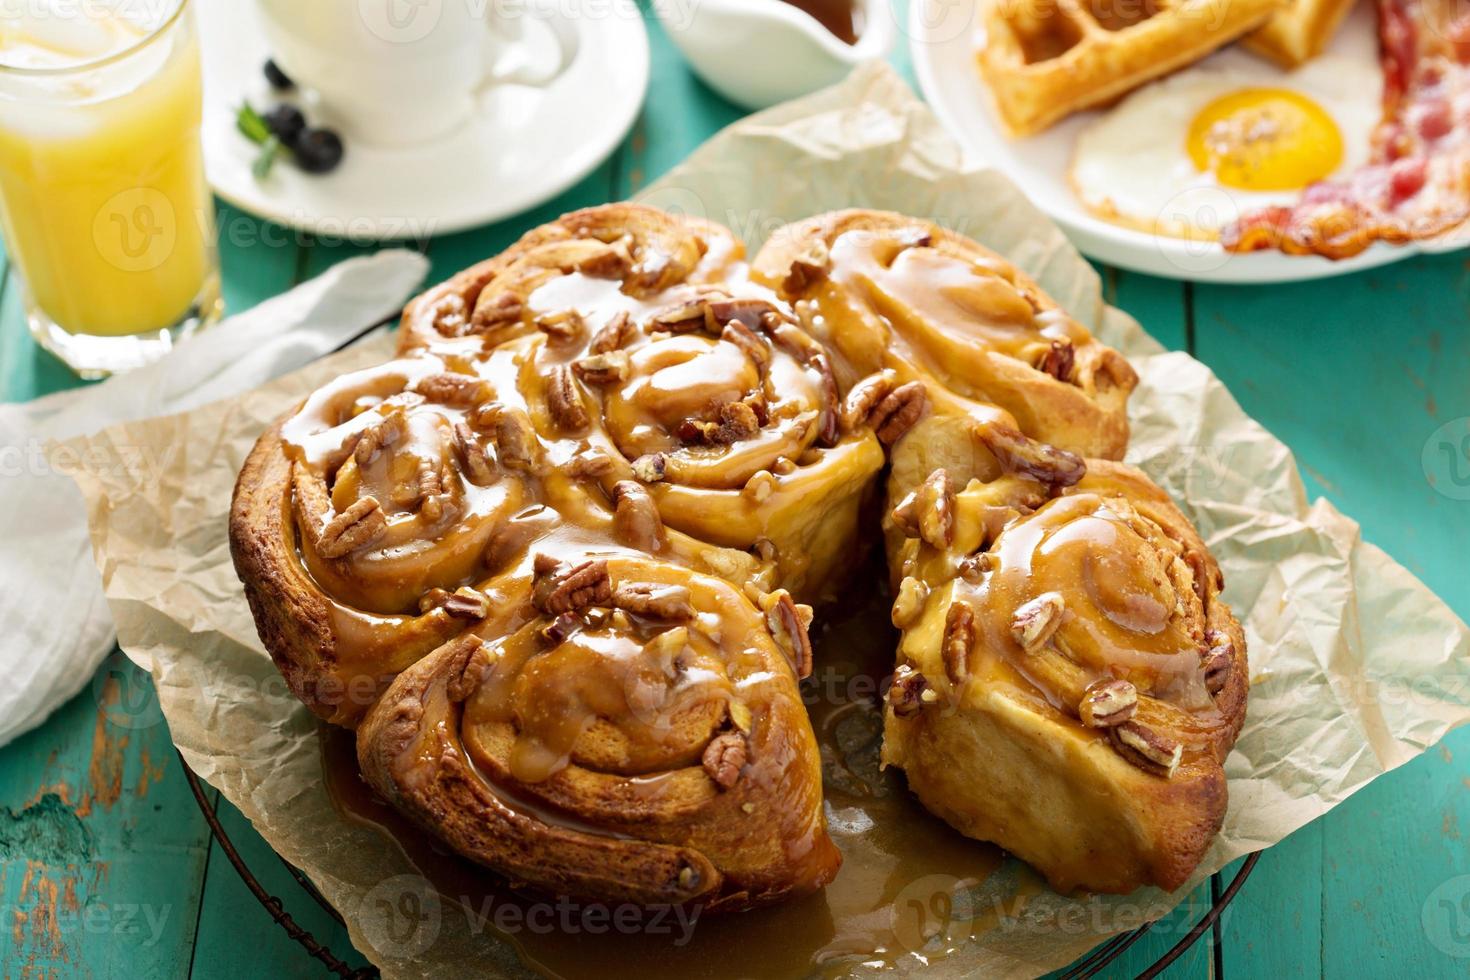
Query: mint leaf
[[269, 151], [253, 125]]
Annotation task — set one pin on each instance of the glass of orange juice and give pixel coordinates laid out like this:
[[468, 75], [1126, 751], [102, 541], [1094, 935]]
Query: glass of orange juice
[[107, 217]]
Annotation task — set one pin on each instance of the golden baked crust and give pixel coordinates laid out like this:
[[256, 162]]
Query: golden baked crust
[[904, 295], [1043, 61]]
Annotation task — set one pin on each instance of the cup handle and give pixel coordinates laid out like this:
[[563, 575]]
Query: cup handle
[[507, 26]]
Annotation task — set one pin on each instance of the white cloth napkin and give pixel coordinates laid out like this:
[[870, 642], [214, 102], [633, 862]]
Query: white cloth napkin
[[55, 628]]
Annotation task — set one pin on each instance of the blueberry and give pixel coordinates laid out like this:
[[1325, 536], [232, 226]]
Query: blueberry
[[287, 123], [318, 151], [279, 80]]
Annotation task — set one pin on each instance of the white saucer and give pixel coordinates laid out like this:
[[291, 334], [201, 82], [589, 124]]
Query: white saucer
[[943, 42], [525, 146]]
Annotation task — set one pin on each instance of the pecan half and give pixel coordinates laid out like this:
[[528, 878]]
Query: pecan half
[[562, 326], [465, 663], [811, 265], [432, 600], [972, 568], [356, 527], [1058, 360], [1107, 704], [724, 757], [478, 468], [467, 603], [379, 436], [590, 464], [912, 594], [668, 602], [1037, 621], [1147, 749], [905, 515], [516, 440], [430, 490], [1218, 661], [1029, 458], [864, 397], [896, 413], [496, 313], [959, 638], [909, 692], [454, 390], [789, 628], [934, 508], [612, 261], [829, 423], [636, 520], [651, 468], [559, 589], [564, 400], [602, 369]]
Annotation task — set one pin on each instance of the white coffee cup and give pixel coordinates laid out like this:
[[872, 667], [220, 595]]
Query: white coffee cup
[[395, 72]]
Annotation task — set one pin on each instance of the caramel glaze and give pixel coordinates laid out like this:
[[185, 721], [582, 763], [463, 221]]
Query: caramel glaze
[[865, 915], [905, 295]]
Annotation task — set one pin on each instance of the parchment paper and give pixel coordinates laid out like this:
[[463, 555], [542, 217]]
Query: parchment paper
[[1356, 666]]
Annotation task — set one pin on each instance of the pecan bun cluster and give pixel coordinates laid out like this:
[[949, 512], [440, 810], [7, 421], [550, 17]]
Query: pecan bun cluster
[[554, 562]]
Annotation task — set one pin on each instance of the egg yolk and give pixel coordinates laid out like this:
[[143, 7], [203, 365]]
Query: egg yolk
[[1264, 139]]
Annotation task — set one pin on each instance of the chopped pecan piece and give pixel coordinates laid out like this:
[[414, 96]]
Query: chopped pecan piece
[[432, 600], [467, 603], [788, 626], [356, 527], [810, 266], [1107, 704], [915, 237], [494, 313], [1036, 460], [748, 311], [560, 629], [1037, 621], [667, 602], [1218, 661], [734, 421], [829, 427], [760, 486], [1147, 749], [934, 508], [651, 468], [454, 390], [1058, 360], [562, 326], [472, 456], [744, 338], [912, 594], [959, 638], [909, 691], [614, 335], [724, 757], [430, 489], [465, 667], [559, 589], [379, 436], [685, 318], [973, 567], [602, 369], [564, 400], [449, 315], [906, 515], [636, 520]]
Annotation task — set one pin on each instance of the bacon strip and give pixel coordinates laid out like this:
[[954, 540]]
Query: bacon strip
[[1417, 183]]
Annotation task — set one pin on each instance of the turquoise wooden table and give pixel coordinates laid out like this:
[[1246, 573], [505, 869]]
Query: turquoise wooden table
[[107, 868]]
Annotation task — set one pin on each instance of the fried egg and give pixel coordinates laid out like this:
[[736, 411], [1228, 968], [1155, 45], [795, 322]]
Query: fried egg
[[1187, 155]]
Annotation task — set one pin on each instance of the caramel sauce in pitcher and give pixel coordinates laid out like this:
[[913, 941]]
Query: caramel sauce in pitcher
[[841, 18], [891, 905]]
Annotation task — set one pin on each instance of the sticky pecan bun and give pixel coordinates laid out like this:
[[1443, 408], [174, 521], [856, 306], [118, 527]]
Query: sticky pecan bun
[[554, 561], [1069, 682]]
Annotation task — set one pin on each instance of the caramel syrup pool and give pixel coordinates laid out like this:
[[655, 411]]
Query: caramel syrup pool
[[892, 905]]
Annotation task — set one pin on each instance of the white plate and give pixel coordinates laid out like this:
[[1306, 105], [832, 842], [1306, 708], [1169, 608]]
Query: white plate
[[525, 146], [943, 41]]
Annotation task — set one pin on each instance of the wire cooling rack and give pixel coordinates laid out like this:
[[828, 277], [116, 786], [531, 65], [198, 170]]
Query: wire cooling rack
[[1089, 966]]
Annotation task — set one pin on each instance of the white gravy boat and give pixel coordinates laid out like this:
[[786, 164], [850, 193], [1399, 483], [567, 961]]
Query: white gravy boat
[[759, 52]]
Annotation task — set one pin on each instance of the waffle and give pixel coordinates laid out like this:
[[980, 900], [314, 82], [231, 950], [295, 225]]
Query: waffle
[[1045, 59], [1298, 31]]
